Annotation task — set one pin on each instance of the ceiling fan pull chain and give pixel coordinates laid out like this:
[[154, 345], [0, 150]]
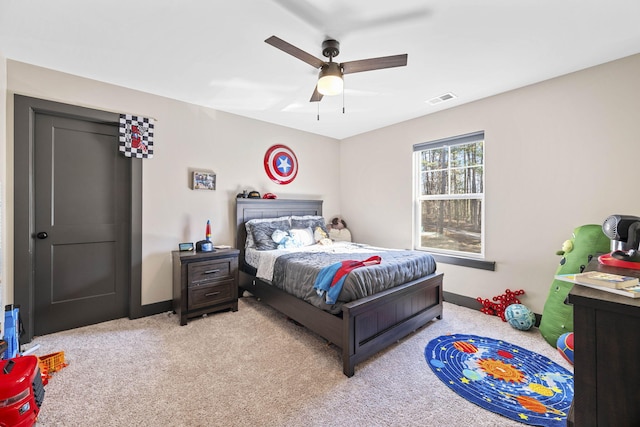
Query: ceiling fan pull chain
[[343, 99], [318, 104]]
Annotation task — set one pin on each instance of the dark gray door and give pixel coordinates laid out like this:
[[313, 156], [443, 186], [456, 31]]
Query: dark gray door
[[82, 231]]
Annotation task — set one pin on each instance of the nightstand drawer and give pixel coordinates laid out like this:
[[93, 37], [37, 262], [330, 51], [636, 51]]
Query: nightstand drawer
[[205, 295], [200, 272]]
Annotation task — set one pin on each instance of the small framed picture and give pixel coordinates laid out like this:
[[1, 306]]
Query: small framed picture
[[204, 180]]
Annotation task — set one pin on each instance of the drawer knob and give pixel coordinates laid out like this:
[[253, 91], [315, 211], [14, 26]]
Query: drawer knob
[[210, 294], [212, 271]]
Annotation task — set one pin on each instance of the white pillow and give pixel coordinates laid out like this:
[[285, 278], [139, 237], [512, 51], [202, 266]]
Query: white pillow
[[303, 235]]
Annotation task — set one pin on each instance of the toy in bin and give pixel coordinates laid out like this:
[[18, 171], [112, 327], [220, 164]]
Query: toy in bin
[[53, 362], [49, 364]]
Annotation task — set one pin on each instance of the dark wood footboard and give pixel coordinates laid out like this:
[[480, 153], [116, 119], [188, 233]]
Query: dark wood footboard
[[372, 324], [368, 325]]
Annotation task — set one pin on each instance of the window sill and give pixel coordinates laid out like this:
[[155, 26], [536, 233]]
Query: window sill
[[465, 262]]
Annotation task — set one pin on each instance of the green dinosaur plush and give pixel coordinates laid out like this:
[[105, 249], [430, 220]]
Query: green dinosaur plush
[[557, 317]]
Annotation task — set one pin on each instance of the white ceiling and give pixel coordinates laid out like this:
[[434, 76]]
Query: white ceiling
[[212, 52]]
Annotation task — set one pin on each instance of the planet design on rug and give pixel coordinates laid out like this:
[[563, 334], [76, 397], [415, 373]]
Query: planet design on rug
[[503, 378]]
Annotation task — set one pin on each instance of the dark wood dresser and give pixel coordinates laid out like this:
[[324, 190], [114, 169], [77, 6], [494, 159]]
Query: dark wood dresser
[[204, 282], [606, 358]]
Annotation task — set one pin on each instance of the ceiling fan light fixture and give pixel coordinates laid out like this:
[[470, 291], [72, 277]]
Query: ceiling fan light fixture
[[330, 81]]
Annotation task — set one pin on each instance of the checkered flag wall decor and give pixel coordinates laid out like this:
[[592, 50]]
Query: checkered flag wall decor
[[136, 136]]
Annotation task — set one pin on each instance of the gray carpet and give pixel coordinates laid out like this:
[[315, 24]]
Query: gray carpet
[[256, 368]]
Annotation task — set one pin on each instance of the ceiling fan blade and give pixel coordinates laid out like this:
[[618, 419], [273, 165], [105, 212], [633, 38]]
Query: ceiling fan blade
[[374, 63], [317, 96], [294, 51]]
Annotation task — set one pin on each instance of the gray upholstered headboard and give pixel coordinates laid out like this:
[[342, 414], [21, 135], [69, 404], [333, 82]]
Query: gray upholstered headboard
[[247, 209]]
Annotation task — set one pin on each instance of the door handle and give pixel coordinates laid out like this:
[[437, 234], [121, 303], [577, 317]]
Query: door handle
[[42, 235]]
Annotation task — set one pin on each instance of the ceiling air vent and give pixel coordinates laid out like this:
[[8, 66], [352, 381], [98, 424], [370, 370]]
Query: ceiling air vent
[[442, 98]]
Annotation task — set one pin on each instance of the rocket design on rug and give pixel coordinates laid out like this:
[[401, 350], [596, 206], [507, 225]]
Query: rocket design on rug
[[503, 378]]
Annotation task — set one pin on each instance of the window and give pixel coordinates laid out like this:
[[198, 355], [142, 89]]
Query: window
[[449, 195]]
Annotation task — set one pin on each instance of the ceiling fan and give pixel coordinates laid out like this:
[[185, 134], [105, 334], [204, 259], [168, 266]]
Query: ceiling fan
[[330, 79]]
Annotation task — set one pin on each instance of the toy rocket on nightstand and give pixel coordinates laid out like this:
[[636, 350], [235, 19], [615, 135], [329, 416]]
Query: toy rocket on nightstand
[[205, 245]]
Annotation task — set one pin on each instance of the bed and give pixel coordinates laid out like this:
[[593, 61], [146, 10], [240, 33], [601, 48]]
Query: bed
[[363, 327]]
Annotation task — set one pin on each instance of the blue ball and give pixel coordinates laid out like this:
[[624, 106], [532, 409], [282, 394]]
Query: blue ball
[[520, 317]]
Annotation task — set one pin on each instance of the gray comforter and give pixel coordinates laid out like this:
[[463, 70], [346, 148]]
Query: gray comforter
[[295, 273]]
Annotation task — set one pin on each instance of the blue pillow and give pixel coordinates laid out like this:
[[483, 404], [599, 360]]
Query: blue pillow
[[262, 232]]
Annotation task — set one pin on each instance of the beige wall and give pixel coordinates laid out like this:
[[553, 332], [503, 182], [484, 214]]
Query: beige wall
[[187, 137], [558, 154], [3, 180]]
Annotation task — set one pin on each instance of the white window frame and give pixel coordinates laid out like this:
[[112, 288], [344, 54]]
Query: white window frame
[[418, 197]]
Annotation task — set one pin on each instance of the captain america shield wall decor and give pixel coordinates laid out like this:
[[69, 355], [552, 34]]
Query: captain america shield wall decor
[[281, 164]]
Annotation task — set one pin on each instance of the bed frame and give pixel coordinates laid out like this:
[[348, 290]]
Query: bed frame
[[366, 326]]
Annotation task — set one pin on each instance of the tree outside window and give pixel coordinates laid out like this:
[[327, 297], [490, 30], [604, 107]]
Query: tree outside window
[[450, 194]]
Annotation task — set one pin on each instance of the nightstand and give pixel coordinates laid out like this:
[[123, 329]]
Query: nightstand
[[204, 282]]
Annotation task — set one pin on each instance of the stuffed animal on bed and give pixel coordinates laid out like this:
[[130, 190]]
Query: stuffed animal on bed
[[338, 231], [557, 317], [321, 237], [285, 240]]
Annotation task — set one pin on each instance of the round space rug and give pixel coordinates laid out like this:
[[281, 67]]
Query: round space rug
[[503, 378]]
